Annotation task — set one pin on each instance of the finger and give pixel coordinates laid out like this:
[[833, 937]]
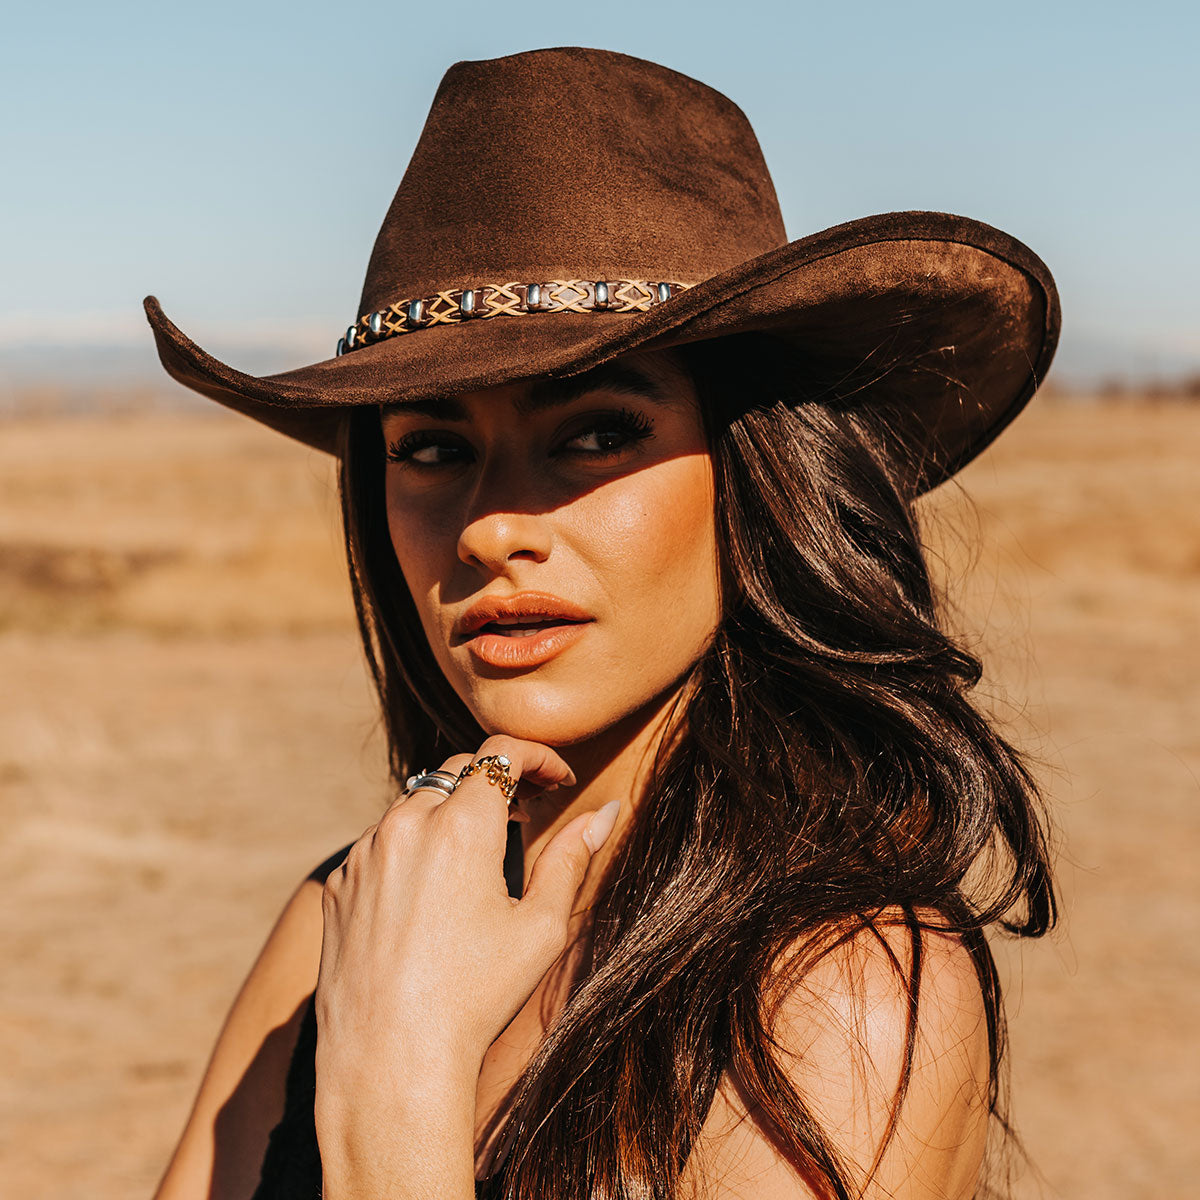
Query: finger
[[559, 869], [533, 763], [430, 797], [366, 838], [500, 764], [455, 763]]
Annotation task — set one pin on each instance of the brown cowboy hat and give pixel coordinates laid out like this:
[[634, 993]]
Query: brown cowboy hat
[[623, 206]]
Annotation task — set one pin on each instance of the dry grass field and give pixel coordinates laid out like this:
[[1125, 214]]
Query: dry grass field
[[186, 728]]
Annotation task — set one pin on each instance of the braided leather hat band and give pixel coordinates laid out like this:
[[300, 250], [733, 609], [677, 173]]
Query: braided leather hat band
[[507, 299]]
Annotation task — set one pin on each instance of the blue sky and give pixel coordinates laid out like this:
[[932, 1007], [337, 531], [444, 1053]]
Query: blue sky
[[236, 159]]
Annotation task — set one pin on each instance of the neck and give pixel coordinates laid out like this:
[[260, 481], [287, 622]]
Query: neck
[[614, 765]]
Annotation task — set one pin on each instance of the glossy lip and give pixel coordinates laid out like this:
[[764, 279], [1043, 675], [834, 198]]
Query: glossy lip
[[517, 653], [531, 650], [523, 605]]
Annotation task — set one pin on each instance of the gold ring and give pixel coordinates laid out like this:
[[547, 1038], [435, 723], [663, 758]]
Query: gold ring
[[496, 768]]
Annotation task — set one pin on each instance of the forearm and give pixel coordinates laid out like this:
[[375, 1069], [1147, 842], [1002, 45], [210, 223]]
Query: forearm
[[409, 1135]]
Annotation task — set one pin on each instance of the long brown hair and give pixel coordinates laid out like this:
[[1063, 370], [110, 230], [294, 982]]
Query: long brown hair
[[828, 739]]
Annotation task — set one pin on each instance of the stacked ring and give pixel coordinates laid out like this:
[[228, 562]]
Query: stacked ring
[[496, 768], [436, 781]]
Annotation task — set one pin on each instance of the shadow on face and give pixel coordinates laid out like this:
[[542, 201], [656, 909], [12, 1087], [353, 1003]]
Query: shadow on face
[[558, 540]]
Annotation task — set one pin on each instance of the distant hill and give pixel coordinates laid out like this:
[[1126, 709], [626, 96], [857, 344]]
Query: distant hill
[[72, 377], [83, 378]]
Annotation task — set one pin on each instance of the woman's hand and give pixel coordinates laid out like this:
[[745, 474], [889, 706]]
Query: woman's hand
[[426, 958]]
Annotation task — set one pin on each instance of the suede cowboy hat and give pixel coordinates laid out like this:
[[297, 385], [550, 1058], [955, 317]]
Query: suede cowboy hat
[[565, 206]]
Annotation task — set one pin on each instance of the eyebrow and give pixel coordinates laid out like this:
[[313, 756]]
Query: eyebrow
[[620, 378]]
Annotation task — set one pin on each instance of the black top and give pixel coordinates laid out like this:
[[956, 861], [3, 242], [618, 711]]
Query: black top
[[291, 1168]]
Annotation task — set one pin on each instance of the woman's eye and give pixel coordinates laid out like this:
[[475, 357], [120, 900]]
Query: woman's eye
[[598, 440], [610, 434], [424, 450]]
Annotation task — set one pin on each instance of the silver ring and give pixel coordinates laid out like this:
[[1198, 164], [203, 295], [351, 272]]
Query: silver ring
[[434, 781]]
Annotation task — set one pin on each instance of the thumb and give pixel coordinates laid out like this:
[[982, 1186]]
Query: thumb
[[561, 866]]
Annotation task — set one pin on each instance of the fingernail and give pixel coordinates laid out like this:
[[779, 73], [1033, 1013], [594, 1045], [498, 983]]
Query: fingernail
[[601, 825]]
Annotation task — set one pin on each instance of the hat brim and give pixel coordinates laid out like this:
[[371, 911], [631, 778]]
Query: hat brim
[[952, 324]]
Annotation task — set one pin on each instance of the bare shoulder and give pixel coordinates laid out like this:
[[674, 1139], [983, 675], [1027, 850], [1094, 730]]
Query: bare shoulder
[[842, 1025], [242, 1093], [863, 989]]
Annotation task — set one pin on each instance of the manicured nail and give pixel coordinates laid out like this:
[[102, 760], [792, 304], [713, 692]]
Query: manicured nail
[[601, 825]]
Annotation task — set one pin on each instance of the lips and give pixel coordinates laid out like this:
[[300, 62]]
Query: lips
[[526, 611], [524, 630], [516, 628]]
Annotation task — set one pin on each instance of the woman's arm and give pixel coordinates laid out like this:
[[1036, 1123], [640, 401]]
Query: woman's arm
[[241, 1096]]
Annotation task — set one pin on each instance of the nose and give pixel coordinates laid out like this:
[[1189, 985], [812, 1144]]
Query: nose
[[501, 529]]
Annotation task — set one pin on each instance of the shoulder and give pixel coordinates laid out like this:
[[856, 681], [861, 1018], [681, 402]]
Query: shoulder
[[241, 1096], [842, 1026], [865, 989]]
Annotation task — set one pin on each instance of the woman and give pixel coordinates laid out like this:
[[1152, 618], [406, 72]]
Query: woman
[[693, 898]]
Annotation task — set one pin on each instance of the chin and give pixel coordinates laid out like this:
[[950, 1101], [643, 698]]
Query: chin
[[560, 716], [539, 714]]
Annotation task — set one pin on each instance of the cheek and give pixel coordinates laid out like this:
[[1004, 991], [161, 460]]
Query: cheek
[[640, 550], [652, 543], [425, 547]]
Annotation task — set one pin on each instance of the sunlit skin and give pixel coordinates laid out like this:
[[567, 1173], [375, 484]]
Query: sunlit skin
[[599, 495]]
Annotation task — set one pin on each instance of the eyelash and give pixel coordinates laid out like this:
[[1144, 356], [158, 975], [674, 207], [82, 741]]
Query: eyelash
[[633, 425]]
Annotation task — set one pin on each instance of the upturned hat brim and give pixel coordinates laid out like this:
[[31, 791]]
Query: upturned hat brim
[[957, 320]]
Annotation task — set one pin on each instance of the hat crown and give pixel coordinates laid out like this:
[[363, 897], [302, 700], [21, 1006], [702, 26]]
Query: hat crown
[[573, 163]]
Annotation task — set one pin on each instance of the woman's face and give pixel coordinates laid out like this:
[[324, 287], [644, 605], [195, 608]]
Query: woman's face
[[558, 540]]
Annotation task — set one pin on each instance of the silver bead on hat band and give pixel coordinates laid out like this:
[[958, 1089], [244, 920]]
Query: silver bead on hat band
[[507, 299]]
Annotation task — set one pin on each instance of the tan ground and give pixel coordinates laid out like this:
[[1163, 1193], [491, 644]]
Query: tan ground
[[185, 728]]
